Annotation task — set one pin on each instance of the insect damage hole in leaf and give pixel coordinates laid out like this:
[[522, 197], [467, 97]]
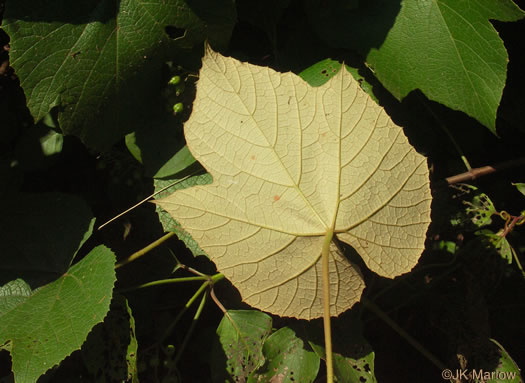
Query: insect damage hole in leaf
[[174, 32], [337, 164]]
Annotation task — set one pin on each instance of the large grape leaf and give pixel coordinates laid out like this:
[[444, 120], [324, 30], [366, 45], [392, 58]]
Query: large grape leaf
[[99, 62], [446, 48], [293, 165]]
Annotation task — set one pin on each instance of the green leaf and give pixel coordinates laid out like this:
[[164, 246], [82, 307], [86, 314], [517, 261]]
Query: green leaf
[[132, 348], [179, 162], [41, 328], [506, 371], [321, 72], [481, 209], [238, 351], [99, 62], [446, 48], [520, 187], [40, 235], [131, 144], [497, 242], [287, 360], [350, 370], [447, 246]]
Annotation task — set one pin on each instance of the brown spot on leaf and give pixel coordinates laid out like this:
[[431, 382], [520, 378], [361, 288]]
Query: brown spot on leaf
[[279, 378]]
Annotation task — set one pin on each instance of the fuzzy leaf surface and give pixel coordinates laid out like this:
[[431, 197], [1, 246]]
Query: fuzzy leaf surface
[[292, 164]]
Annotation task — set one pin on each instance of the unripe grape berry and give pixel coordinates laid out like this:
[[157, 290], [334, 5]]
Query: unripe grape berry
[[174, 80], [178, 107]]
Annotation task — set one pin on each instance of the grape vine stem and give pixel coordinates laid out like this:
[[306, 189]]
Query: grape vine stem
[[475, 173]]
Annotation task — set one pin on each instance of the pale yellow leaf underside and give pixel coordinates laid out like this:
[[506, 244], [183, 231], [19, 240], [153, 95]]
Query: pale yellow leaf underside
[[289, 163]]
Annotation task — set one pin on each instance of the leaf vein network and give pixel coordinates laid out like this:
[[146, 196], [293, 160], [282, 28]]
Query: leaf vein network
[[379, 208], [371, 174]]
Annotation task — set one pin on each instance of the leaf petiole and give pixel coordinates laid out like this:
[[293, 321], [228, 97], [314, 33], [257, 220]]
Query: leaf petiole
[[165, 282], [326, 305], [145, 250]]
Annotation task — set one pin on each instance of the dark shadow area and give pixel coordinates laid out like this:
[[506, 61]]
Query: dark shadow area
[[40, 233], [511, 113], [163, 137], [285, 35], [15, 120], [159, 141], [173, 32], [214, 12], [77, 12], [299, 33], [6, 372], [242, 48], [453, 302], [217, 19], [343, 24]]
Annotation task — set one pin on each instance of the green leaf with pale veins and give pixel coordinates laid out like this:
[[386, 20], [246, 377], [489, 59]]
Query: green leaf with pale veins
[[446, 48], [293, 165], [41, 327], [99, 62], [287, 360]]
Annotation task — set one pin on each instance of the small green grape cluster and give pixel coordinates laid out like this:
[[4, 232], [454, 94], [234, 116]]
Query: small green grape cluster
[[175, 90]]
